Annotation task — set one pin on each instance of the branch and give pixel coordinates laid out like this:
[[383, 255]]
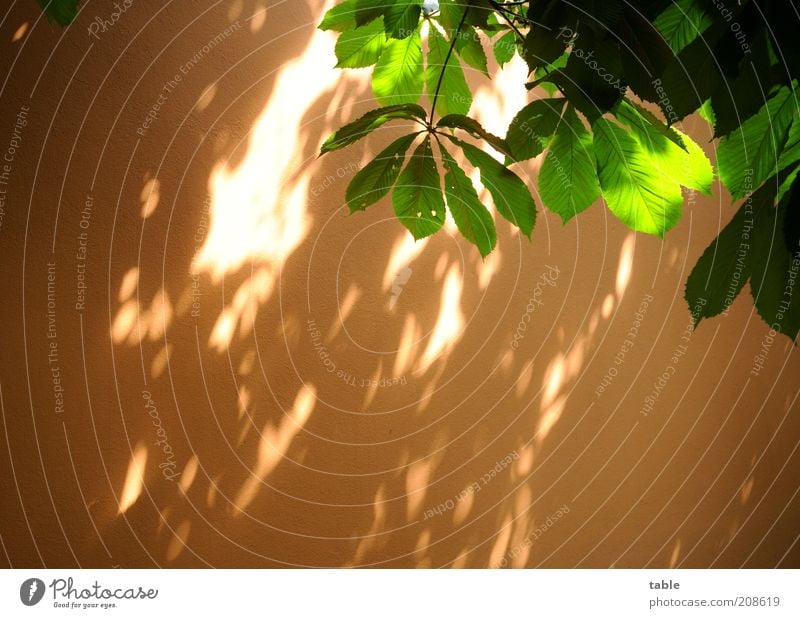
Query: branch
[[505, 14], [454, 38]]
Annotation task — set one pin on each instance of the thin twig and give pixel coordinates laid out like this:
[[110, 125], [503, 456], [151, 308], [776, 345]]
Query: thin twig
[[454, 37]]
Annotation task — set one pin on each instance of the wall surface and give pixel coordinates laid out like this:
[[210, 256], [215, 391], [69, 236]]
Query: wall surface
[[205, 361]]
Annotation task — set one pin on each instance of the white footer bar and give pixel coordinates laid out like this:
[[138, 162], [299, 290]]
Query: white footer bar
[[401, 593]]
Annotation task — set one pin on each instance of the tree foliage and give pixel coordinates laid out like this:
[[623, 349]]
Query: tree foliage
[[63, 12], [605, 66], [618, 77]]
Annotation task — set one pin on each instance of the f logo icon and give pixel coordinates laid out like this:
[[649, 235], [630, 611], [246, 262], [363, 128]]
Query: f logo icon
[[31, 591]]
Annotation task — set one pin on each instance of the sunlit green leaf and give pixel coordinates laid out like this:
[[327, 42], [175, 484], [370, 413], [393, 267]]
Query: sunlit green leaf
[[341, 17], [360, 47], [674, 154], [568, 179], [505, 47], [644, 201], [397, 77]]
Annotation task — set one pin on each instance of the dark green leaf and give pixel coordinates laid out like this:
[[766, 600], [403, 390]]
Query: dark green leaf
[[510, 195], [690, 79], [682, 23], [354, 131], [63, 12], [791, 150], [593, 79], [375, 179], [789, 197], [475, 129], [532, 127], [749, 155], [470, 49], [553, 26], [644, 53], [471, 217], [417, 198], [401, 17], [727, 263], [369, 10], [737, 97], [776, 274]]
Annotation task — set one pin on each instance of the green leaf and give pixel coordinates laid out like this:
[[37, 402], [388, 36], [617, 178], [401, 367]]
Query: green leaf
[[455, 96], [369, 10], [341, 17], [643, 200], [674, 154], [417, 198], [791, 150], [532, 127], [789, 198], [631, 113], [510, 195], [727, 263], [749, 155], [62, 12], [776, 273], [451, 12], [471, 217], [397, 77], [787, 184], [354, 131], [401, 18], [360, 47], [682, 22], [475, 129], [376, 178], [696, 170], [505, 47], [707, 113], [469, 47], [543, 44], [568, 179]]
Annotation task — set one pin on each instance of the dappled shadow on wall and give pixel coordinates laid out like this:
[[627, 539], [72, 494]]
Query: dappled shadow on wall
[[336, 393]]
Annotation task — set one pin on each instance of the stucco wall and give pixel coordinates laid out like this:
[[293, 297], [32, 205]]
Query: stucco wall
[[205, 361]]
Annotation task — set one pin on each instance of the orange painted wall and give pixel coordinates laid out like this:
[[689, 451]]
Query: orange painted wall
[[253, 378]]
